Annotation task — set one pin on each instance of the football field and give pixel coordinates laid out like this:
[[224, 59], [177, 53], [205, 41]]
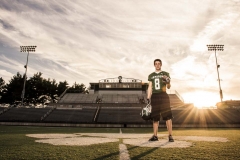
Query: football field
[[30, 142]]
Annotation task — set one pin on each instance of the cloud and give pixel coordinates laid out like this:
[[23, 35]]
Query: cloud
[[6, 25], [86, 41], [7, 75]]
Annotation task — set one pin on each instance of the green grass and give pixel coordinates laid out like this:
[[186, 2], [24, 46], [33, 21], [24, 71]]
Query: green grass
[[200, 150], [14, 144]]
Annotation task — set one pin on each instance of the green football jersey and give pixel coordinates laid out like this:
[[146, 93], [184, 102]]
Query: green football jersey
[[158, 85]]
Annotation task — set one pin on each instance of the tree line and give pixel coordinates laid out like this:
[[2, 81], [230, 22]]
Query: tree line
[[38, 90]]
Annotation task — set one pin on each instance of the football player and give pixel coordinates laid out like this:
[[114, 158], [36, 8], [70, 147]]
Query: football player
[[159, 82]]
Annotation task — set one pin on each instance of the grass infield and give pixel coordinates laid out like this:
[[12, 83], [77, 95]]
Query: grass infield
[[14, 144]]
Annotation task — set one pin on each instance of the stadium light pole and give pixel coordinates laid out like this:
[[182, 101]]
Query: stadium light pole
[[217, 47], [26, 49]]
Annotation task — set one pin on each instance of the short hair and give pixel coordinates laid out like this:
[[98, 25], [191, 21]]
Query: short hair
[[157, 60]]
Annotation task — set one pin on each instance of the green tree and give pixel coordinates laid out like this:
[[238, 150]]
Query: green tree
[[38, 90], [78, 88], [50, 91], [34, 88], [13, 90], [43, 91], [62, 86], [2, 87]]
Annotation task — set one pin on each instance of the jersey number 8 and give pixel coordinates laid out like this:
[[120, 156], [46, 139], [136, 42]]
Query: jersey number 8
[[157, 84]]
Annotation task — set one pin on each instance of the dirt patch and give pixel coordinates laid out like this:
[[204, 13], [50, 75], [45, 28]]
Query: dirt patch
[[140, 140], [77, 141], [122, 136], [201, 138], [53, 136]]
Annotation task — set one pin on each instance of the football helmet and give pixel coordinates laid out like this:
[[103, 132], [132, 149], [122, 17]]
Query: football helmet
[[146, 112]]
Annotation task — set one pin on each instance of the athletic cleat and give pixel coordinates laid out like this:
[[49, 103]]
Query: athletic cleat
[[170, 138], [153, 138]]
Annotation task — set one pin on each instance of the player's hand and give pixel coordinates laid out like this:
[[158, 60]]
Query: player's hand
[[166, 79], [148, 101]]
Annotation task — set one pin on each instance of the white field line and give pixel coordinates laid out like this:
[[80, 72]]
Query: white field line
[[123, 152]]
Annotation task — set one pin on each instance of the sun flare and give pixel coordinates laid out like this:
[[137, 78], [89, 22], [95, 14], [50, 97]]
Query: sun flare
[[201, 99]]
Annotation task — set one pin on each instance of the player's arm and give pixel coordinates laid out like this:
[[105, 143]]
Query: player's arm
[[149, 93], [167, 81], [168, 85]]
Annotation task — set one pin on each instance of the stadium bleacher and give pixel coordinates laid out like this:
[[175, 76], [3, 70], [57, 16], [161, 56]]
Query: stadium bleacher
[[117, 106], [174, 100], [110, 113], [227, 116], [120, 98], [78, 98], [83, 115], [23, 115], [185, 116], [120, 115]]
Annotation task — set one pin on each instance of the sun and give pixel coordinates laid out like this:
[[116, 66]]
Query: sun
[[201, 99]]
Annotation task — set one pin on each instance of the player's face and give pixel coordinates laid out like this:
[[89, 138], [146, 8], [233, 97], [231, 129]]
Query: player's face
[[157, 65]]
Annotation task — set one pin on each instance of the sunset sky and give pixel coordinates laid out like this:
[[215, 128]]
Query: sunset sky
[[86, 41]]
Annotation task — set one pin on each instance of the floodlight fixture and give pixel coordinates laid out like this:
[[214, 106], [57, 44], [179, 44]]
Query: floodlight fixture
[[26, 49], [217, 47]]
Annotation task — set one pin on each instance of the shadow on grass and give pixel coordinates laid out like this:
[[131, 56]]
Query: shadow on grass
[[129, 149], [113, 154], [144, 153]]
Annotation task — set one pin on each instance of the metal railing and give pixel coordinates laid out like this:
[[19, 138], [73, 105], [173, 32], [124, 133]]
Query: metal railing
[[60, 97]]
